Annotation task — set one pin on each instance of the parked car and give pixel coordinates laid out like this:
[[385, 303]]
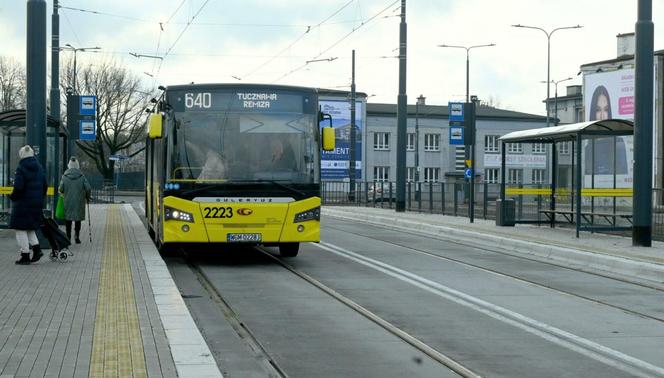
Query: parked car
[[380, 192]]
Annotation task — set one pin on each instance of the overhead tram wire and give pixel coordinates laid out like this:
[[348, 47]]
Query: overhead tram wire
[[104, 14], [180, 35], [338, 41], [161, 31], [309, 29]]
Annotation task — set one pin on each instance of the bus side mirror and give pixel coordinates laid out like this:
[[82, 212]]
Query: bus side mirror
[[328, 138], [155, 125]]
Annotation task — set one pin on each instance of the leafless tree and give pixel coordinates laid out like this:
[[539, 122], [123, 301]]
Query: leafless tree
[[121, 103], [12, 84]]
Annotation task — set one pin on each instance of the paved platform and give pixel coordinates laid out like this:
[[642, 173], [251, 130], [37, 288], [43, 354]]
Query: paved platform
[[110, 310], [591, 251]]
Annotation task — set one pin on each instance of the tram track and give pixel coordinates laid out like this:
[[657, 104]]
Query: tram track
[[411, 340], [242, 330], [553, 334], [245, 333], [524, 280]]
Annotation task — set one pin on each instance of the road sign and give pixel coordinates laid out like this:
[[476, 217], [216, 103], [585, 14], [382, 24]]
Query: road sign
[[469, 163], [118, 157], [468, 173], [456, 135], [87, 129], [87, 105], [456, 111]]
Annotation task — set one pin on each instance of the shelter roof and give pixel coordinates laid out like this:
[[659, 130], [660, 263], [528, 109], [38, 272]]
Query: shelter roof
[[609, 127], [14, 120]]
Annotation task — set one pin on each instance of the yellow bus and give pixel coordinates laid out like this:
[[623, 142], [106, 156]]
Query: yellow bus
[[229, 163]]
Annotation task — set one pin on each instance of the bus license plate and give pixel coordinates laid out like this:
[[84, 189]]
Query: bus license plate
[[239, 238]]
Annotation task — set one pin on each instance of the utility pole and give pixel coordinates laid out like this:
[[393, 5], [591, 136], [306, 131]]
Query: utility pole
[[418, 192], [473, 131], [402, 115], [35, 120], [351, 167], [642, 197], [55, 91]]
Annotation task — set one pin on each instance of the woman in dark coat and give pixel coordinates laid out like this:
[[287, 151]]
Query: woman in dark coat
[[76, 191], [28, 199]]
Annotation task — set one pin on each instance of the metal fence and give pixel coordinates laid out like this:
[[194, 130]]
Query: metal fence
[[103, 194], [452, 199]]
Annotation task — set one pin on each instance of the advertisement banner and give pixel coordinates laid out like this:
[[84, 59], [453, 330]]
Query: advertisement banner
[[335, 164], [609, 95]]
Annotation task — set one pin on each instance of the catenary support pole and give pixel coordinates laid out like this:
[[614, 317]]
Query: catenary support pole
[[643, 123], [55, 92], [352, 157], [402, 115], [36, 79]]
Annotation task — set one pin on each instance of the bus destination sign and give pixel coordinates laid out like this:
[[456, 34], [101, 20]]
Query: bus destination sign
[[239, 102]]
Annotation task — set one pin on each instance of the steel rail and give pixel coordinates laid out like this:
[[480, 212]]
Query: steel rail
[[521, 279], [241, 329], [416, 343]]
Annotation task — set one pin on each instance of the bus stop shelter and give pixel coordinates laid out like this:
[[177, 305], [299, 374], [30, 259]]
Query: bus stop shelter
[[13, 137], [577, 134]]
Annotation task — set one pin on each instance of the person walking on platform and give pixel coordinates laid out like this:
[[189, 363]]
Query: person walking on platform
[[28, 198], [75, 189]]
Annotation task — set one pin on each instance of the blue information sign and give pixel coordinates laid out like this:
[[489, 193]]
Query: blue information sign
[[456, 111], [88, 105], [456, 135], [87, 129]]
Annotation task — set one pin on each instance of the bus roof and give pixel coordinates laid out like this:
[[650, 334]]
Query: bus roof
[[211, 86]]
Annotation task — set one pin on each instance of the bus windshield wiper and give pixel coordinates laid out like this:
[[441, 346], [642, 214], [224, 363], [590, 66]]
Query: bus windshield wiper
[[284, 186], [202, 189], [225, 185]]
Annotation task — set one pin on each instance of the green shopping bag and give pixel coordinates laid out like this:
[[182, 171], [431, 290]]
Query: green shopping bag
[[60, 208]]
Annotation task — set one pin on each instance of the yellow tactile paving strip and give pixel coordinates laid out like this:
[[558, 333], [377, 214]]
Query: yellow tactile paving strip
[[117, 347]]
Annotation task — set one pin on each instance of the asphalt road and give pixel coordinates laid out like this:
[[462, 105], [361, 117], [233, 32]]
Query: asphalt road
[[497, 315]]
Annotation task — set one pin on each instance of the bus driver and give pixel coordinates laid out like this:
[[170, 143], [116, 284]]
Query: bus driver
[[214, 167]]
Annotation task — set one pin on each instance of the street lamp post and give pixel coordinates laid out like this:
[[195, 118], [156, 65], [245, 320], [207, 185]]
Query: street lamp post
[[420, 101], [75, 50], [468, 155], [548, 57], [555, 97], [468, 48]]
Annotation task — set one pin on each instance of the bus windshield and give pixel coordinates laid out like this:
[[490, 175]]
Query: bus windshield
[[215, 147]]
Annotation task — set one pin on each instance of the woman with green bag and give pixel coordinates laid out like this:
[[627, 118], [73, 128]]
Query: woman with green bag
[[75, 189]]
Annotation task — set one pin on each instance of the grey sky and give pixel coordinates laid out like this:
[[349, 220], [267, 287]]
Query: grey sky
[[242, 39]]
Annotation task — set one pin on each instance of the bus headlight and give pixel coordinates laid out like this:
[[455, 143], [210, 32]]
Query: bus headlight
[[175, 214], [313, 214]]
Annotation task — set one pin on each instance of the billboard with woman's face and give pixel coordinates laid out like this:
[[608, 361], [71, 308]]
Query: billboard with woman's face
[[609, 95]]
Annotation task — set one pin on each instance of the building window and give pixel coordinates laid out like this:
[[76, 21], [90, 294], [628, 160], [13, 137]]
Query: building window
[[491, 143], [538, 176], [410, 142], [431, 174], [381, 173], [381, 141], [431, 142], [491, 175], [515, 176], [563, 148], [514, 148], [539, 148], [410, 174]]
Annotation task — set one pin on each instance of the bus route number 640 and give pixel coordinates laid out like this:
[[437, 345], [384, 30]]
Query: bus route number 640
[[198, 100]]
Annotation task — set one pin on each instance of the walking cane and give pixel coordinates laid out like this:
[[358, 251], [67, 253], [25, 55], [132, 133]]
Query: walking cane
[[89, 227]]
